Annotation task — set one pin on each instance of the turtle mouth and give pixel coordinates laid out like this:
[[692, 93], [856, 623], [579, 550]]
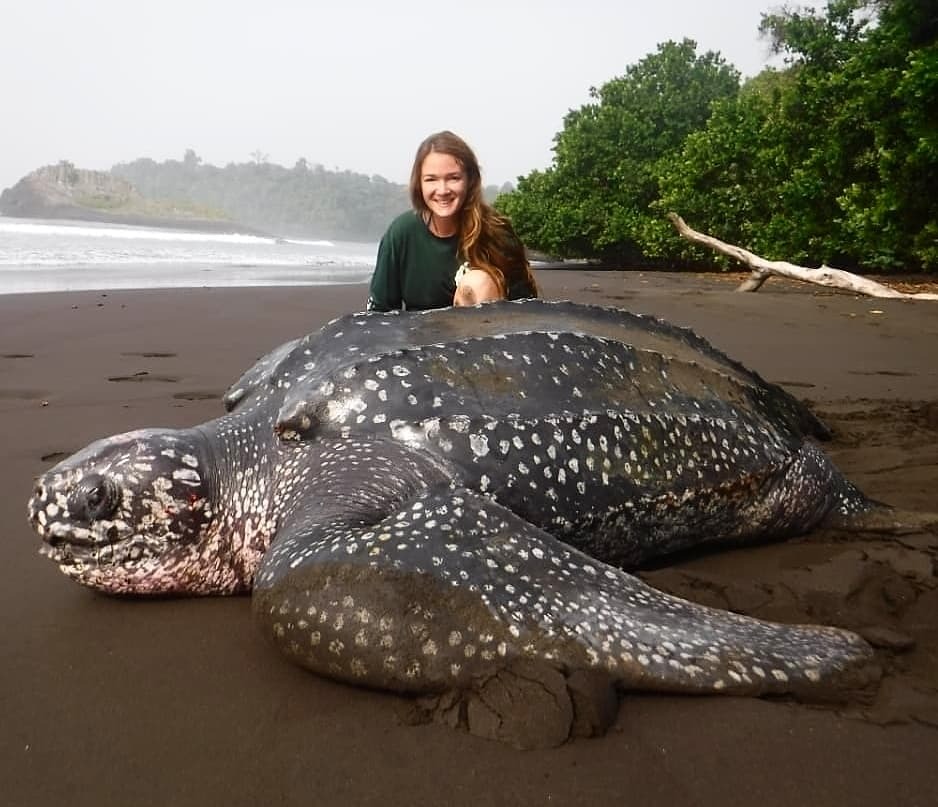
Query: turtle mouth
[[69, 556], [67, 544], [88, 556]]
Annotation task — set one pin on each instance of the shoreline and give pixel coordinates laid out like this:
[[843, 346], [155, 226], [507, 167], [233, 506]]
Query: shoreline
[[180, 701], [68, 213]]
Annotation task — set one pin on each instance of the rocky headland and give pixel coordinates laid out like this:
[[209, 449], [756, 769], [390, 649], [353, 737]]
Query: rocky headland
[[63, 191]]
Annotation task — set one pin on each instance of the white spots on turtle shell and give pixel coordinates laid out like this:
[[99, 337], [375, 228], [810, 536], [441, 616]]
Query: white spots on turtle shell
[[431, 428], [459, 424], [479, 444], [405, 432], [187, 476], [339, 410]]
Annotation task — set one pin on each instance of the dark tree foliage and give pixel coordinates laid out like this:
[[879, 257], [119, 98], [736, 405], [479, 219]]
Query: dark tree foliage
[[832, 159], [594, 199]]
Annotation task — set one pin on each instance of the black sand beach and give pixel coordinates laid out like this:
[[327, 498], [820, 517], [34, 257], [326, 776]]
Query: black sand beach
[[180, 701]]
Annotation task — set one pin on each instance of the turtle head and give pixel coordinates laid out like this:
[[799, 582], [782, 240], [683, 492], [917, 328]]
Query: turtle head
[[134, 514]]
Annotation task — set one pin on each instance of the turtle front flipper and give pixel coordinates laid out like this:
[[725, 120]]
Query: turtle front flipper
[[454, 595], [260, 375]]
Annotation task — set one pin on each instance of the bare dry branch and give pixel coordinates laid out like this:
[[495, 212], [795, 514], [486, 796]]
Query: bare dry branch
[[763, 269]]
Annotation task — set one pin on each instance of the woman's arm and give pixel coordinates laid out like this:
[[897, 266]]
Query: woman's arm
[[384, 293]]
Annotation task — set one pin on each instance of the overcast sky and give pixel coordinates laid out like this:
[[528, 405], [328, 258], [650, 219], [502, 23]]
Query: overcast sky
[[351, 84]]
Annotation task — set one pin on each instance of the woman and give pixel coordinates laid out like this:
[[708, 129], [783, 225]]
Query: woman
[[450, 225]]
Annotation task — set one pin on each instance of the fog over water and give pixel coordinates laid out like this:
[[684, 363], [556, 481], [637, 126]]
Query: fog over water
[[353, 85]]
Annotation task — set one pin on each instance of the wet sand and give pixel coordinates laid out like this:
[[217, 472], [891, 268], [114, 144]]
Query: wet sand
[[110, 701]]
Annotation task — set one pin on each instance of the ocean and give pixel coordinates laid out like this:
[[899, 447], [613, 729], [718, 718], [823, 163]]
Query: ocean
[[39, 255]]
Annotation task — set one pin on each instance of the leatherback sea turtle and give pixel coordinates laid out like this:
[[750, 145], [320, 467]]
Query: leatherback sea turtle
[[442, 503]]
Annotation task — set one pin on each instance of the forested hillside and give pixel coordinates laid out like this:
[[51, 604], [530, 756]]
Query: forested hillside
[[833, 158], [300, 201]]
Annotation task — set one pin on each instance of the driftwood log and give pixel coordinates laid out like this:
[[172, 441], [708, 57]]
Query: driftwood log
[[763, 269]]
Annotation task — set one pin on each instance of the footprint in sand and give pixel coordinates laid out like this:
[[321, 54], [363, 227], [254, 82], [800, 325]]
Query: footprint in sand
[[881, 372], [196, 395], [144, 377]]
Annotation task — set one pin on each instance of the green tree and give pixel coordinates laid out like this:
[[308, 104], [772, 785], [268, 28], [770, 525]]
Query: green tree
[[727, 177], [594, 200], [832, 159]]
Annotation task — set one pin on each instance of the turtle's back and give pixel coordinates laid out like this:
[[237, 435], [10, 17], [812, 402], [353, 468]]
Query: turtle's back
[[594, 424], [491, 352]]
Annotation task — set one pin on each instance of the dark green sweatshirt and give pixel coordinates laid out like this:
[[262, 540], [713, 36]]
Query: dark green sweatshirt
[[416, 269]]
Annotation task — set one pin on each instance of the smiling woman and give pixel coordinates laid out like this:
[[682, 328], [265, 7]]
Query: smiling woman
[[449, 225]]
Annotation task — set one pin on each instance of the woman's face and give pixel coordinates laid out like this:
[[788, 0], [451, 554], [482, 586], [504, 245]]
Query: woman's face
[[443, 182]]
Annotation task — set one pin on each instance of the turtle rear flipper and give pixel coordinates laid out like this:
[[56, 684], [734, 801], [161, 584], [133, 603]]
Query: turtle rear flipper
[[882, 519], [850, 510], [453, 593]]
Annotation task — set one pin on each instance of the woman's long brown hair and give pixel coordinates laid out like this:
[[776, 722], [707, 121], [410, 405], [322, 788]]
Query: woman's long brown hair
[[487, 240]]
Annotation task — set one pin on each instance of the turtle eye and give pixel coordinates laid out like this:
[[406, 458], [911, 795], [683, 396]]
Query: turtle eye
[[94, 497]]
